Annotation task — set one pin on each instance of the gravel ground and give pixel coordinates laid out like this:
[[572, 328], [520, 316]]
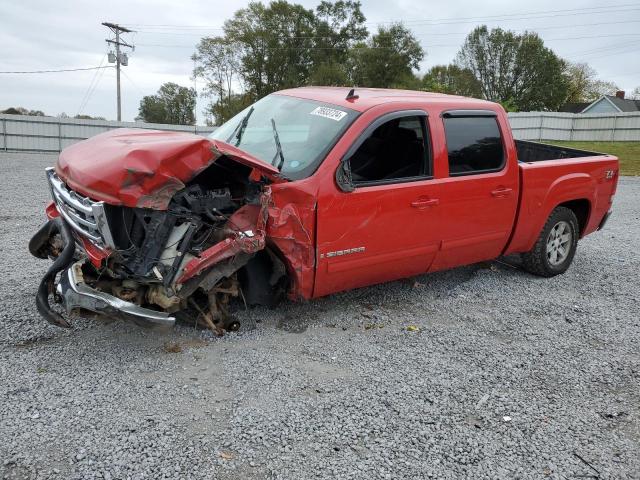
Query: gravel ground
[[505, 375]]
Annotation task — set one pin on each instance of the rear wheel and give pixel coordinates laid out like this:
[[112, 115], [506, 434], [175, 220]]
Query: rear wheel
[[555, 248]]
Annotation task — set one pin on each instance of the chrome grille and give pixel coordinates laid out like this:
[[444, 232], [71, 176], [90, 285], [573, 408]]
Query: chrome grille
[[81, 213]]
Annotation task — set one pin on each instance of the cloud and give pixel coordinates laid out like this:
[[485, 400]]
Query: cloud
[[41, 34]]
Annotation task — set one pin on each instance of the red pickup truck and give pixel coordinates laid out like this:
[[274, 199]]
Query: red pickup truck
[[307, 192]]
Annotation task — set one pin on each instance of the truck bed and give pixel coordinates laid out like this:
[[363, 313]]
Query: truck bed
[[551, 175], [530, 152]]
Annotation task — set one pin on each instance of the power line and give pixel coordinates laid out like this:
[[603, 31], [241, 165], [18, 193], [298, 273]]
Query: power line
[[548, 27], [603, 9], [132, 83], [599, 53], [93, 79], [61, 70], [91, 91], [423, 45], [512, 17], [604, 48]]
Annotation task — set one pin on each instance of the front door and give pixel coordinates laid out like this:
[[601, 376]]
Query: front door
[[386, 228]]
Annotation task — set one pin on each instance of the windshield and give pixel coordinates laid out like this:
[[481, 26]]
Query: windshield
[[304, 129]]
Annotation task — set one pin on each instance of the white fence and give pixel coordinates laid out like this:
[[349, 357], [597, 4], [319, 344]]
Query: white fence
[[576, 126], [50, 134]]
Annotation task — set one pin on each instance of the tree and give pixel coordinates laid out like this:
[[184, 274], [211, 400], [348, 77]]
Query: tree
[[87, 117], [387, 59], [172, 104], [579, 76], [218, 63], [329, 74], [277, 46], [516, 69], [635, 95], [583, 84], [603, 87], [453, 80], [222, 110], [339, 27], [23, 111]]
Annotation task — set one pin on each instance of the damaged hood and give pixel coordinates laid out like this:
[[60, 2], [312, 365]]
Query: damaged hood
[[144, 168]]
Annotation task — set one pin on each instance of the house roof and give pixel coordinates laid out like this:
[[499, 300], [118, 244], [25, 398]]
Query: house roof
[[624, 104], [574, 107]]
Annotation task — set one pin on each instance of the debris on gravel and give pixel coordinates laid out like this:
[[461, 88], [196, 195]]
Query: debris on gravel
[[481, 372]]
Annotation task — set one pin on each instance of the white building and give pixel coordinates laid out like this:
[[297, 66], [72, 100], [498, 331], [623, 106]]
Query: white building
[[605, 104]]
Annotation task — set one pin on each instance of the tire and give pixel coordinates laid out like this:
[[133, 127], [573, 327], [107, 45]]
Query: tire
[[556, 246]]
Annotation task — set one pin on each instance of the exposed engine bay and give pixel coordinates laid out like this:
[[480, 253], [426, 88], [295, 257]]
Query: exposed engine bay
[[194, 261]]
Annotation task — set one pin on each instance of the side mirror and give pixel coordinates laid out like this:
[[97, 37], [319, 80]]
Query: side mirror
[[343, 176]]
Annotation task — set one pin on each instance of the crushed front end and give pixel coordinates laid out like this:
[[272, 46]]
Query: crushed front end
[[183, 253]]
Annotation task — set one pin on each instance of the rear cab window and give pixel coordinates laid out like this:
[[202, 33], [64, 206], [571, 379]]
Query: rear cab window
[[474, 142]]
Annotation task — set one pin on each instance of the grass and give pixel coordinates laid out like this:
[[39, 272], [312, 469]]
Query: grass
[[627, 152]]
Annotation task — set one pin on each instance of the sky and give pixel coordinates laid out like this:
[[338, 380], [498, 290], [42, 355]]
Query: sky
[[46, 35]]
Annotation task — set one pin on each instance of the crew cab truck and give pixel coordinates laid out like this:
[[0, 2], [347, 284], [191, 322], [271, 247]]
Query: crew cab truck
[[307, 192]]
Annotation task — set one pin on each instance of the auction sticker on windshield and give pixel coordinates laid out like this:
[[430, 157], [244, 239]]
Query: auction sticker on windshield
[[331, 113]]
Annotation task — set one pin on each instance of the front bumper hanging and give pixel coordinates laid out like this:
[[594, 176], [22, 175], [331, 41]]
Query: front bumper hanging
[[74, 292]]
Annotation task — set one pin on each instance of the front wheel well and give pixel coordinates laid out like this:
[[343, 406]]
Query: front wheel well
[[581, 208], [264, 279]]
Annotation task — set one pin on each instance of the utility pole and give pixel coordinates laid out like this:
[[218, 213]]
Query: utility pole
[[120, 59]]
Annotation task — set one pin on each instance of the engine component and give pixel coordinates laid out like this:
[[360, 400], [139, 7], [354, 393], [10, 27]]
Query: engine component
[[156, 294]]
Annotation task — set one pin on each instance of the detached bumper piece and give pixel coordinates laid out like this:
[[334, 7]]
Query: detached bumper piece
[[76, 294], [39, 245]]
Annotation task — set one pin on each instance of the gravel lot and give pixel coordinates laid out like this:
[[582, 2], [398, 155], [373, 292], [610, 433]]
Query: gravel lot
[[506, 375]]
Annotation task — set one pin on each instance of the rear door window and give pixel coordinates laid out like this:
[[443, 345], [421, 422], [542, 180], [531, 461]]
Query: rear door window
[[474, 145]]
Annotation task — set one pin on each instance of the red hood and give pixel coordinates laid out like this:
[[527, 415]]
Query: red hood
[[144, 168]]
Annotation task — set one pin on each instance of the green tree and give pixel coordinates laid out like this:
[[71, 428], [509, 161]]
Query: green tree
[[515, 68], [218, 64], [339, 26], [584, 85], [23, 111], [331, 74], [172, 104], [387, 59], [223, 109], [87, 117], [275, 45], [453, 80]]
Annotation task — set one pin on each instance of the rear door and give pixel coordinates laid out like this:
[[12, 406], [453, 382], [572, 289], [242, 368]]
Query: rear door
[[386, 227], [478, 198]]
